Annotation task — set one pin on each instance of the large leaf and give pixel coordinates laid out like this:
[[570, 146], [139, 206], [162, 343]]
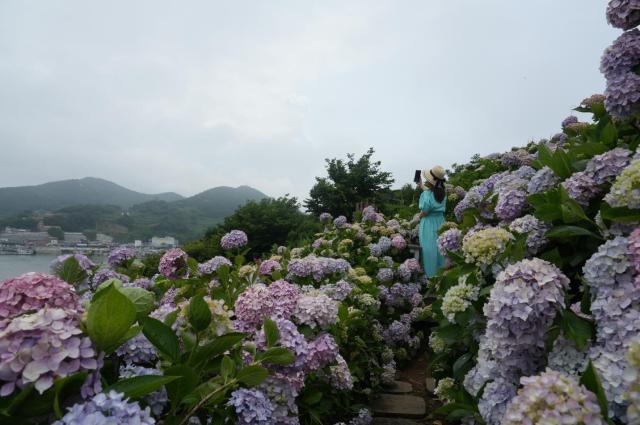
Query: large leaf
[[461, 365], [558, 161], [109, 318], [199, 314], [547, 205], [591, 381], [139, 386], [252, 375], [162, 337], [621, 215], [576, 328], [572, 212], [277, 355], [142, 300], [271, 332], [217, 347], [227, 368], [566, 231], [71, 272], [66, 387], [188, 380]]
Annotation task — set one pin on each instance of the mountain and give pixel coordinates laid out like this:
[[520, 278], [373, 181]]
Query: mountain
[[221, 201], [60, 194]]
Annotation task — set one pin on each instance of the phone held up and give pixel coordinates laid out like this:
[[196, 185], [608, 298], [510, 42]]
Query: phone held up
[[416, 177]]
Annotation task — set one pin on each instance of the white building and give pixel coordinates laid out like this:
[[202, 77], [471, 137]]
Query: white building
[[166, 242], [137, 243]]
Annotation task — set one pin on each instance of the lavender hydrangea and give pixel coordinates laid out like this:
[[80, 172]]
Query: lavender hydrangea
[[450, 241], [622, 97], [624, 14], [605, 167], [39, 347], [269, 266], [543, 180], [316, 311], [259, 302], [566, 357], [511, 204], [234, 239], [137, 350], [521, 308], [397, 333], [571, 119], [581, 187], [86, 265], [173, 264], [516, 158], [398, 242], [340, 376], [157, 400], [142, 283], [338, 291], [553, 397], [103, 275], [211, 266], [34, 291], [119, 256], [252, 407], [325, 217], [291, 339], [105, 409], [322, 351], [340, 221], [535, 230], [398, 294], [385, 274]]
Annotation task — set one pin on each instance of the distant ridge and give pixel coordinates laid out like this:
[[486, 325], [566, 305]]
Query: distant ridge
[[64, 193]]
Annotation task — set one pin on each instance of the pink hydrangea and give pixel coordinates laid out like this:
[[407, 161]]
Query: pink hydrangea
[[269, 266], [33, 291]]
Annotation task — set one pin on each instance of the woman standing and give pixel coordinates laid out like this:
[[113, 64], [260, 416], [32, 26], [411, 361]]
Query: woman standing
[[432, 204]]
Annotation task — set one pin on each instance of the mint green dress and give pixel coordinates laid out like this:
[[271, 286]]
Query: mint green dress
[[432, 260]]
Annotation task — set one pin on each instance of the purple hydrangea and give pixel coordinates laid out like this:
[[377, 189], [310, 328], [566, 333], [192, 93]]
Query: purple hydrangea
[[103, 275], [119, 256], [385, 275], [516, 158], [285, 296], [173, 264], [450, 241], [291, 339], [543, 180], [322, 351], [521, 308], [369, 214], [34, 291], [384, 243], [259, 302], [325, 217], [269, 266], [535, 230], [607, 166], [510, 205], [553, 397], [525, 172], [107, 408], [84, 262], [157, 400], [234, 239], [618, 64], [340, 376], [338, 291], [581, 187], [300, 267], [398, 242], [137, 350], [142, 283], [316, 311], [317, 267], [39, 347], [412, 265], [212, 266], [364, 418], [397, 333], [624, 14], [252, 407], [398, 294], [571, 119], [375, 250], [340, 221]]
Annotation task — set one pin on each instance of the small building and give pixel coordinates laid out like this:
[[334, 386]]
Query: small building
[[165, 242], [74, 237], [137, 243], [102, 238]]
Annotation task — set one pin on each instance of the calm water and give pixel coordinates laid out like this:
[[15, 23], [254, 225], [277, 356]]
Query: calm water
[[14, 265]]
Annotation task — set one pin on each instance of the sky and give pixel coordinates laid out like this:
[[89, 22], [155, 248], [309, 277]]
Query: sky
[[187, 95]]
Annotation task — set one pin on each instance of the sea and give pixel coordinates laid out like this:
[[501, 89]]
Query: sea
[[15, 265]]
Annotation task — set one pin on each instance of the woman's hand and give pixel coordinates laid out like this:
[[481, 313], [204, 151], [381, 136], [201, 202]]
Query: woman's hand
[[423, 214]]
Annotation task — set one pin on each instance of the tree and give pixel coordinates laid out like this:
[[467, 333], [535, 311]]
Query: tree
[[267, 222], [347, 184], [56, 232]]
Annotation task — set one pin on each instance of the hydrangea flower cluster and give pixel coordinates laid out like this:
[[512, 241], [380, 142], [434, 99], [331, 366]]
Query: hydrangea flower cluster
[[458, 298], [32, 292], [450, 241], [624, 14], [39, 347], [618, 64], [211, 266], [325, 217], [269, 266], [521, 308], [399, 294], [259, 302], [340, 221], [291, 339], [137, 350], [571, 119], [398, 242], [107, 408], [173, 264], [338, 291], [340, 376], [157, 400], [535, 230], [484, 246], [316, 311], [553, 397], [543, 180], [234, 239], [510, 204], [633, 380], [119, 256], [516, 158], [443, 389], [322, 351], [567, 358], [84, 262], [103, 275], [581, 187], [252, 407], [625, 191], [605, 167], [385, 274]]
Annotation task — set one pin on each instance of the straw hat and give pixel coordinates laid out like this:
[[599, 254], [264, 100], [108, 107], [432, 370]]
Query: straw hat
[[436, 173]]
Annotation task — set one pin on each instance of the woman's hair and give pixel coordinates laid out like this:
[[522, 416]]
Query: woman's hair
[[438, 189]]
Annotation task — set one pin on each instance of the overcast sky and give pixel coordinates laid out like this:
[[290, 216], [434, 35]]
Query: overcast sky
[[187, 95]]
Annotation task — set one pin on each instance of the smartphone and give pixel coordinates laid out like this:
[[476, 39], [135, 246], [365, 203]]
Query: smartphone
[[416, 177]]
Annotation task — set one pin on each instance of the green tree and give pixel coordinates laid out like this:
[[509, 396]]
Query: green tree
[[267, 222], [349, 183], [56, 232]]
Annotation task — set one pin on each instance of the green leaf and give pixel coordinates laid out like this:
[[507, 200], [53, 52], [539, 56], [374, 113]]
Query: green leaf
[[71, 272], [252, 375], [460, 365], [227, 368], [343, 313], [619, 215], [576, 328], [609, 134], [217, 347], [547, 205], [571, 210], [277, 355], [142, 300], [188, 380], [553, 256], [162, 337], [271, 332], [566, 231], [199, 314], [109, 318], [591, 381], [312, 397], [66, 387], [139, 386]]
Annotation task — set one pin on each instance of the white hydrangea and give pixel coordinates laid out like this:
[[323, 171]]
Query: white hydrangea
[[458, 298], [484, 246]]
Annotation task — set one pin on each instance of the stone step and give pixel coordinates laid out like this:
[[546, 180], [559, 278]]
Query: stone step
[[430, 384], [400, 406], [393, 421], [399, 387]]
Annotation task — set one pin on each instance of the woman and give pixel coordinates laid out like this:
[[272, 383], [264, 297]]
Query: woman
[[432, 204]]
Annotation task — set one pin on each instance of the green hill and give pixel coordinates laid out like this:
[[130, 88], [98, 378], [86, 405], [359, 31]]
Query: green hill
[[89, 190]]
